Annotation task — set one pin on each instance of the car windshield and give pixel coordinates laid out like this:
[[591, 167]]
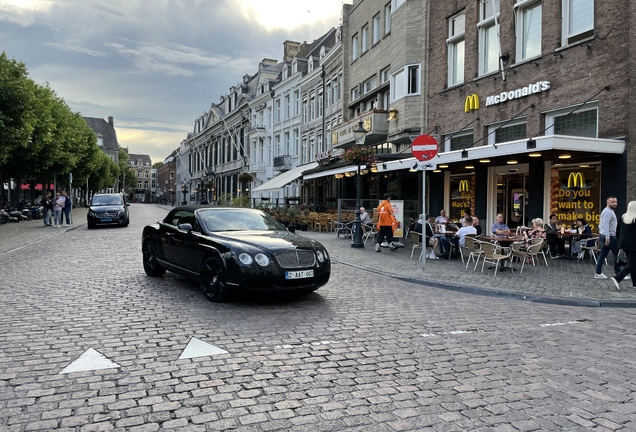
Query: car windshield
[[215, 220], [100, 200]]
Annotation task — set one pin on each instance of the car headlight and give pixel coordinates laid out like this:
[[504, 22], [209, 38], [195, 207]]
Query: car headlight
[[246, 258], [320, 256], [261, 259], [326, 254]]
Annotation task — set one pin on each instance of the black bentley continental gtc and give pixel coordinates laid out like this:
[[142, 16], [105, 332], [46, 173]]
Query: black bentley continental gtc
[[230, 248]]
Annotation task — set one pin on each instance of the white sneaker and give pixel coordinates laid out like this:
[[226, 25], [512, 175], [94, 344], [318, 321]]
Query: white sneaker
[[616, 284], [627, 277], [392, 246], [377, 247], [600, 276], [67, 225]]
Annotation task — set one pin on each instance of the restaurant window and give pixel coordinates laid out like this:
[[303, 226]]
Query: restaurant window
[[576, 193], [459, 141], [578, 20], [528, 15], [583, 122], [455, 43], [510, 132], [462, 196]]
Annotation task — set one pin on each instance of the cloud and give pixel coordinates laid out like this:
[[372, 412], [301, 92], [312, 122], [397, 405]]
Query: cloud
[[75, 48]]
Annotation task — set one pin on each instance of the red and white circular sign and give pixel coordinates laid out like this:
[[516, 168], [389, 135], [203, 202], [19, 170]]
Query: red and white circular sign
[[424, 147]]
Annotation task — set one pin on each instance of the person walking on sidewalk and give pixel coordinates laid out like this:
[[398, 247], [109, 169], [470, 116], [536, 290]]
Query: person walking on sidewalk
[[385, 223], [627, 241], [607, 238]]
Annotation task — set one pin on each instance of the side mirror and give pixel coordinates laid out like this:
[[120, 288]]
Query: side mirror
[[185, 227]]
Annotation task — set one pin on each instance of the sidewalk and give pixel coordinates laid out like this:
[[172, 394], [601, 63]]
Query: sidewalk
[[567, 282]]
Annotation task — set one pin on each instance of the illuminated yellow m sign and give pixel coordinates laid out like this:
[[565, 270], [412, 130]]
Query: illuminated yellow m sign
[[576, 180], [464, 186], [472, 103]]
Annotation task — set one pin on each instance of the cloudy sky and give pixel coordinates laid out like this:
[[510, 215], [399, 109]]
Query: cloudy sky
[[154, 65]]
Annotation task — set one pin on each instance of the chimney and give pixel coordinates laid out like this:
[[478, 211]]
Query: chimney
[[290, 50], [110, 121]]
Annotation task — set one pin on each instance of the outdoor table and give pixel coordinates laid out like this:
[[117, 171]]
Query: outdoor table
[[569, 237]]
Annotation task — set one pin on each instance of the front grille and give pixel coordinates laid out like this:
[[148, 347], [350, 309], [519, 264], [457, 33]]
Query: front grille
[[297, 258], [108, 214]]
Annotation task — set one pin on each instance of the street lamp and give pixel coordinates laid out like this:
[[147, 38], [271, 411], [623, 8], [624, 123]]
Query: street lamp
[[359, 136]]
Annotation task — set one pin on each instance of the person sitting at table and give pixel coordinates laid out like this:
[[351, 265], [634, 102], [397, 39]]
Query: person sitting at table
[[537, 231], [556, 244], [442, 219], [364, 217], [476, 225], [499, 228], [465, 214], [426, 241], [459, 239], [584, 232]]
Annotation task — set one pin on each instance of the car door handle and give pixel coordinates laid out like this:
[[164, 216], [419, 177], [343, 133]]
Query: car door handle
[[169, 234]]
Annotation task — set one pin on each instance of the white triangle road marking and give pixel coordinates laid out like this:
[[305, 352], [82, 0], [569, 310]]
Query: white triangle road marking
[[89, 361], [198, 348]]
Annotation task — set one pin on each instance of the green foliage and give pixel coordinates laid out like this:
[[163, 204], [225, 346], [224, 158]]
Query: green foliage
[[128, 175], [157, 165], [241, 201], [225, 199], [359, 155], [41, 138]]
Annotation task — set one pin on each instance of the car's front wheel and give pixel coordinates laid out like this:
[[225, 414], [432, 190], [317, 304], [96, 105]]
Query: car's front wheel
[[151, 265], [212, 279]]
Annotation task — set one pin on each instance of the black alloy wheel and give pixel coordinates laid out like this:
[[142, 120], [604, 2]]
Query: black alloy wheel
[[151, 266], [212, 279]]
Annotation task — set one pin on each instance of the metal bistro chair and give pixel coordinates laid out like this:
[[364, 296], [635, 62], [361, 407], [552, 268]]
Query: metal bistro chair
[[417, 243], [368, 231], [593, 249], [491, 256], [541, 249], [474, 248], [516, 251]]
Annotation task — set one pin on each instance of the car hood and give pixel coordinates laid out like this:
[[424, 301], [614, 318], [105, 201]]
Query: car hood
[[272, 240]]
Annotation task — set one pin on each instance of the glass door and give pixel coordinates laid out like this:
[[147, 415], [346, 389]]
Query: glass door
[[512, 199]]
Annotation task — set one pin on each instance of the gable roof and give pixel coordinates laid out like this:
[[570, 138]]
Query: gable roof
[[145, 161], [103, 128]]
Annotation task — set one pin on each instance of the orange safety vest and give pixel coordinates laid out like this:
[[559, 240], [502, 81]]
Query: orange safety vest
[[385, 214]]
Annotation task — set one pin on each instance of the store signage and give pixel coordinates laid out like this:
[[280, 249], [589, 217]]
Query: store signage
[[472, 103], [576, 180], [464, 186], [538, 87]]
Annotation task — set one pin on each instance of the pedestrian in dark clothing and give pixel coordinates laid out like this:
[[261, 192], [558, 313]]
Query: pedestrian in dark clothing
[[68, 205], [626, 234], [47, 207]]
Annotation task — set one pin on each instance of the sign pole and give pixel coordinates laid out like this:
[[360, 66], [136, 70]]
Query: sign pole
[[424, 241]]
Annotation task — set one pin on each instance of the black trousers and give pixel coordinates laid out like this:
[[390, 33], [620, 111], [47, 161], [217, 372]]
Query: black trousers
[[386, 231], [630, 268], [556, 244]]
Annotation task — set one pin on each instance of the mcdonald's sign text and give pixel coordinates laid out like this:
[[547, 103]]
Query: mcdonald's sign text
[[464, 186], [472, 103]]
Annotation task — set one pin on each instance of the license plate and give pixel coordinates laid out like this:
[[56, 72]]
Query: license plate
[[106, 220], [299, 274]]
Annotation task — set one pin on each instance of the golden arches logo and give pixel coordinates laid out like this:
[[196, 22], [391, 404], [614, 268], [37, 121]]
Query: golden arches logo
[[472, 103], [464, 186], [576, 180]]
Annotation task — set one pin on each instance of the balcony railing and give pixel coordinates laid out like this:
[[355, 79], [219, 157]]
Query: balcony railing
[[282, 163]]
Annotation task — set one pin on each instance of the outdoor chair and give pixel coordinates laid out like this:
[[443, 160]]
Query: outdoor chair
[[323, 222], [417, 243], [540, 250], [517, 251], [593, 249], [491, 256], [367, 232], [475, 252]]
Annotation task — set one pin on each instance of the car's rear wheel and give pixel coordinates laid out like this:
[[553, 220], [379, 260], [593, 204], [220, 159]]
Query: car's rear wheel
[[151, 265], [212, 279]]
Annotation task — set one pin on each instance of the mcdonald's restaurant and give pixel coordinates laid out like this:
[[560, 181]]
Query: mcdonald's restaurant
[[514, 152]]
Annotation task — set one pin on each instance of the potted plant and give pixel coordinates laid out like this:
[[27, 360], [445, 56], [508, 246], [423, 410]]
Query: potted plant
[[360, 155], [245, 178], [294, 213], [304, 226]]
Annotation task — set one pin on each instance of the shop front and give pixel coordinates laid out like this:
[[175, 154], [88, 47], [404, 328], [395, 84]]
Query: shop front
[[567, 176]]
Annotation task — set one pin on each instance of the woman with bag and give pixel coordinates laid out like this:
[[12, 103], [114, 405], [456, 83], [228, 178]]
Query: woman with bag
[[626, 233]]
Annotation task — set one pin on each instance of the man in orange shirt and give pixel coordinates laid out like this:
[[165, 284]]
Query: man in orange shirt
[[385, 223]]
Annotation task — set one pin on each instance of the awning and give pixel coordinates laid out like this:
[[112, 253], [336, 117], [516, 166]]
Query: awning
[[334, 171], [542, 144], [287, 177]]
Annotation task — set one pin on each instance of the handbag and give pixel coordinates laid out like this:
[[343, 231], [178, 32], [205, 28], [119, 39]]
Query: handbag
[[622, 257], [431, 241]]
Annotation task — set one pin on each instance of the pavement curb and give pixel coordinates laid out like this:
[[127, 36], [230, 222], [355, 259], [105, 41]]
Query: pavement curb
[[563, 301]]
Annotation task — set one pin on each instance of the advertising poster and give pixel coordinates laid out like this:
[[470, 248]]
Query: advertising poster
[[576, 193]]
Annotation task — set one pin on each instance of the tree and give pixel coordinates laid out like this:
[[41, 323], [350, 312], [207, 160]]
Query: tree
[[128, 175], [157, 165]]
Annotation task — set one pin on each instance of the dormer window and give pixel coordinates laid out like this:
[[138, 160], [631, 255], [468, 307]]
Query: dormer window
[[285, 72], [100, 140], [310, 66]]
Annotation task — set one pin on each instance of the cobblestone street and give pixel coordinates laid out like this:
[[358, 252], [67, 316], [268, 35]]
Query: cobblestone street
[[367, 352]]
